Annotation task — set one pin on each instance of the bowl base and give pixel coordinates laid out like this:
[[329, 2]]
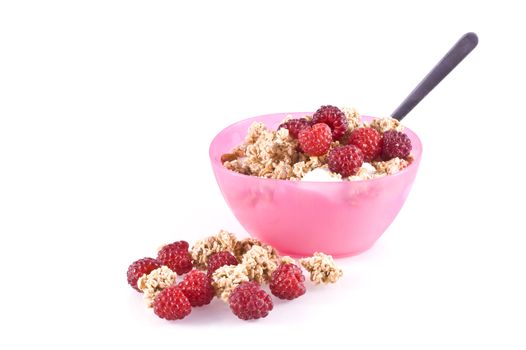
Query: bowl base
[[336, 256]]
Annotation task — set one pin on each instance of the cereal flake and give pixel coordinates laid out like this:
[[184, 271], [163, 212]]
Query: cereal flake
[[267, 153], [385, 124], [322, 268], [354, 119], [244, 245], [390, 167], [226, 278], [203, 249], [153, 283], [259, 264]]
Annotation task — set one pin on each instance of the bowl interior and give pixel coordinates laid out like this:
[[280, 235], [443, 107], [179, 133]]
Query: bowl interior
[[234, 135]]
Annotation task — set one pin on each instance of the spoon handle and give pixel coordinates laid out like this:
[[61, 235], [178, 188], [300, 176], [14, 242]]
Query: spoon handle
[[454, 56]]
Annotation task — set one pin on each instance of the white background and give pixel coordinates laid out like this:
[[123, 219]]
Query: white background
[[107, 109]]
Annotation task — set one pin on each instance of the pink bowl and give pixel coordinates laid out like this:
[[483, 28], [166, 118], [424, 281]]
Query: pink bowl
[[300, 218]]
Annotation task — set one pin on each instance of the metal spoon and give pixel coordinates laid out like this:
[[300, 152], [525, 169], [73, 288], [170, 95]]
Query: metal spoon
[[454, 56]]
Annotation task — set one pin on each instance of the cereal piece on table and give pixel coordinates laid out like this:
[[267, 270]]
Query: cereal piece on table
[[259, 264], [322, 268], [226, 278], [385, 124], [204, 248], [287, 260], [153, 283], [244, 245]]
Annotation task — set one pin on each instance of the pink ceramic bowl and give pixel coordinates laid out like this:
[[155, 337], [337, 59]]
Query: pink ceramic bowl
[[300, 218]]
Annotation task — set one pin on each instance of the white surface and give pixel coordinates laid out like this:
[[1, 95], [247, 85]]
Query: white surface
[[106, 112]]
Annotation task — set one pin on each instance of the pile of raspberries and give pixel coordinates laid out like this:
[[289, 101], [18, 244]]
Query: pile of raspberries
[[247, 301], [365, 144]]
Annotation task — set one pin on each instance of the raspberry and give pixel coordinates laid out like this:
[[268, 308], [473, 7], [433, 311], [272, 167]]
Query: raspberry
[[395, 144], [334, 118], [368, 140], [141, 267], [345, 160], [176, 257], [295, 126], [198, 288], [180, 245], [287, 282], [171, 304], [249, 302], [315, 140], [220, 259]]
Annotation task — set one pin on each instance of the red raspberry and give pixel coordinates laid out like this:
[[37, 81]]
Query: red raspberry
[[294, 126], [345, 160], [334, 118], [315, 140], [286, 282], [198, 288], [249, 302], [220, 259], [181, 245], [141, 267], [396, 144], [176, 257], [171, 304], [368, 140]]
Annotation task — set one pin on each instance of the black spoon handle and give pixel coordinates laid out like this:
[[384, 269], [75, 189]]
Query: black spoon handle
[[455, 55]]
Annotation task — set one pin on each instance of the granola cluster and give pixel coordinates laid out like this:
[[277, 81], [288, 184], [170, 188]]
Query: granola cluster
[[390, 167], [275, 154], [154, 282], [385, 124], [265, 153], [259, 264], [354, 119], [226, 278], [204, 248], [243, 246], [322, 268]]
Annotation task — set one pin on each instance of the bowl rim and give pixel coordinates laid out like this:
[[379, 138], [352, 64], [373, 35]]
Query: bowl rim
[[216, 163]]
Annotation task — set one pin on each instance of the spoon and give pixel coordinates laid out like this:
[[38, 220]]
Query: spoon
[[455, 55]]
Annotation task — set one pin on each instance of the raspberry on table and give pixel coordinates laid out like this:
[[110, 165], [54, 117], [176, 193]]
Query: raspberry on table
[[395, 144], [219, 259], [294, 126], [176, 257], [139, 268], [172, 304], [286, 282], [334, 118], [315, 140], [345, 160], [197, 287], [249, 302], [368, 140]]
